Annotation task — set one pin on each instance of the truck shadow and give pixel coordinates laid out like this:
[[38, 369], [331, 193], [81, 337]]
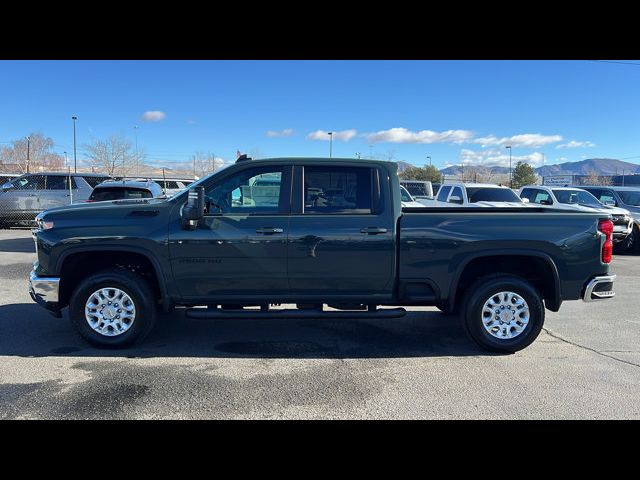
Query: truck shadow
[[20, 245], [26, 330]]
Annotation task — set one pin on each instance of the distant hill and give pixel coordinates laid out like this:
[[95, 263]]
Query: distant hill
[[600, 166], [457, 170]]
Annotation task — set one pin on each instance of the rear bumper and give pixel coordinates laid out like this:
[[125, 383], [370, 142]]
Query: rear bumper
[[599, 288], [45, 292]]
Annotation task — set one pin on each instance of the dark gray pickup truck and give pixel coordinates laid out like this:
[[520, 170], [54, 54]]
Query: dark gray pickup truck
[[312, 232]]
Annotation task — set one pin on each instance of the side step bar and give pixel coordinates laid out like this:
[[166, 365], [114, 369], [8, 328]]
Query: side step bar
[[293, 313]]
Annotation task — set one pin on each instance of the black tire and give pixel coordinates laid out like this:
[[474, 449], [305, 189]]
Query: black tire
[[135, 286], [631, 244], [481, 291]]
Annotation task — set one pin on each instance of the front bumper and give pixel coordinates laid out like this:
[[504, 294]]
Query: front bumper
[[45, 292], [599, 288]]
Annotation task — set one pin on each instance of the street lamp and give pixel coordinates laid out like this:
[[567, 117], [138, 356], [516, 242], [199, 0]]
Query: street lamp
[[429, 160], [358, 155], [330, 144], [28, 139], [65, 160], [75, 158], [510, 173], [135, 131]]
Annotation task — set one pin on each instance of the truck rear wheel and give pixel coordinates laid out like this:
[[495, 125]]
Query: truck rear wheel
[[113, 308], [503, 313]]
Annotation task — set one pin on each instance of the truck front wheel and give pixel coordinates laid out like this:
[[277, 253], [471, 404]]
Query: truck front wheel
[[503, 313], [113, 308]]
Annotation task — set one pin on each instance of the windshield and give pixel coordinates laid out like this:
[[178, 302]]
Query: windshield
[[404, 195], [477, 194], [630, 197], [579, 197], [419, 189], [102, 194]]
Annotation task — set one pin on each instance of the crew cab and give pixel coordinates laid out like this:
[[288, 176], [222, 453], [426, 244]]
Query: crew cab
[[314, 232]]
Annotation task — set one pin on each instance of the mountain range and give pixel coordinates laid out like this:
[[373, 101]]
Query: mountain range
[[599, 166]]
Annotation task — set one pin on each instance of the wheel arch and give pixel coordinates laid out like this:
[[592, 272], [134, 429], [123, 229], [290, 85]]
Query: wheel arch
[[534, 266], [77, 263]]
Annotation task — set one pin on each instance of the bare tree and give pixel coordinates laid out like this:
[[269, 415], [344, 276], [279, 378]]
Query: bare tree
[[34, 154], [113, 156], [593, 178]]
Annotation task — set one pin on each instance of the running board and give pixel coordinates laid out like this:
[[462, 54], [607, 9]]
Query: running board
[[293, 313]]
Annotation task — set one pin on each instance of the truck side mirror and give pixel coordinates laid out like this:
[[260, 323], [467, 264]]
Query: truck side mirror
[[6, 186], [611, 203], [455, 199], [193, 211], [524, 200]]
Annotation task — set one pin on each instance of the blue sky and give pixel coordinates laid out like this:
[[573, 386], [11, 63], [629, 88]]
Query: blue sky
[[453, 111]]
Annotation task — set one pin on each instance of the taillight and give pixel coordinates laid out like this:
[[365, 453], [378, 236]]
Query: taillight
[[606, 227]]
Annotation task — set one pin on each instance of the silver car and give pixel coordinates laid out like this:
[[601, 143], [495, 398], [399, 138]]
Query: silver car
[[24, 197]]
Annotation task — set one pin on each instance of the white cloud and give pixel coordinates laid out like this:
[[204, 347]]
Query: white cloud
[[284, 133], [531, 140], [575, 144], [153, 116], [493, 158], [403, 135], [344, 135]]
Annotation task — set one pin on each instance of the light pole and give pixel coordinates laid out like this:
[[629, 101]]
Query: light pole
[[358, 155], [65, 160], [330, 144], [135, 132], [510, 173], [28, 148], [75, 158], [429, 160]]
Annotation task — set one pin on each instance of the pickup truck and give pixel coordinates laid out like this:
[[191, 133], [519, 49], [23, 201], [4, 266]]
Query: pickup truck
[[478, 195], [311, 232]]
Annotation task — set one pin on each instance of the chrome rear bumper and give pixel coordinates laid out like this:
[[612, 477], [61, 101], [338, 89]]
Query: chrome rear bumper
[[599, 288]]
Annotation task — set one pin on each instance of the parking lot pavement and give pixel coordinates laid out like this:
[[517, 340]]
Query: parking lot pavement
[[585, 364]]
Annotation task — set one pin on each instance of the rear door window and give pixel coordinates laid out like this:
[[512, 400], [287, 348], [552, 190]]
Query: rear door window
[[338, 190], [58, 182]]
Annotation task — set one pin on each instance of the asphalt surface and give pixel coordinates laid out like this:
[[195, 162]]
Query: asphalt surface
[[584, 365]]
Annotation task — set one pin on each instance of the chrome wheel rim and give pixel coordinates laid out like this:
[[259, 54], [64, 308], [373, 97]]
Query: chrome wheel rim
[[505, 315], [110, 311]]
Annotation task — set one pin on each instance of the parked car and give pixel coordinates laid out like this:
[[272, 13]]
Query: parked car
[[407, 200], [623, 197], [418, 188], [24, 197], [171, 186], [115, 263], [478, 195], [577, 199], [125, 190]]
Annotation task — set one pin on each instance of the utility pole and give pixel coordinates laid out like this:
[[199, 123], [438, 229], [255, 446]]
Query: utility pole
[[28, 148], [510, 172], [75, 159], [330, 144], [135, 131]]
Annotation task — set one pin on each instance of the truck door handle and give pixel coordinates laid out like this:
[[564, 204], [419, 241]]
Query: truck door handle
[[269, 230], [373, 230]]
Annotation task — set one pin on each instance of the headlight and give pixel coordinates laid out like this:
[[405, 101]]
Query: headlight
[[42, 223]]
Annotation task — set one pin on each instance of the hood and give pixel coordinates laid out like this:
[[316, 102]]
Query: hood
[[116, 205]]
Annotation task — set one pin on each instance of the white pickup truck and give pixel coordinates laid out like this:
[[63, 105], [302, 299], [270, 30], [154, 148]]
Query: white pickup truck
[[577, 199], [477, 195]]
